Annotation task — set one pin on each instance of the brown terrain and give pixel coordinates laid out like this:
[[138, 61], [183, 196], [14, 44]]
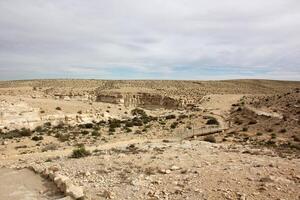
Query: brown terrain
[[152, 140]]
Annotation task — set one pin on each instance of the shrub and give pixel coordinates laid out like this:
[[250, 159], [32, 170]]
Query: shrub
[[171, 116], [282, 130], [25, 132], [37, 138], [79, 112], [62, 137], [128, 124], [88, 125], [137, 122], [252, 122], [269, 130], [47, 124], [296, 138], [96, 133], [58, 108], [174, 125], [138, 132], [244, 129], [111, 130], [42, 111], [273, 135], [259, 133], [128, 130], [210, 138], [182, 116], [138, 112], [80, 152], [84, 132], [212, 121], [38, 129]]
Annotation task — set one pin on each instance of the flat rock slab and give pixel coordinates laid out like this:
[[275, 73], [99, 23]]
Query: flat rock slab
[[25, 185]]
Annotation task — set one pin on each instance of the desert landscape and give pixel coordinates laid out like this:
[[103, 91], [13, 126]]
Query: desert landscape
[[153, 140]]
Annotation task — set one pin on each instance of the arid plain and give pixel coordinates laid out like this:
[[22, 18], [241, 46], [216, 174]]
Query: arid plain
[[154, 140]]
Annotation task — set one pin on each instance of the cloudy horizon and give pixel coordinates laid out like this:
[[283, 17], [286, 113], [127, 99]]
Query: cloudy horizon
[[139, 39]]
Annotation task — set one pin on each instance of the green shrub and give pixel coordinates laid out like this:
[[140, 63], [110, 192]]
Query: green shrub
[[80, 152], [111, 130], [96, 133], [174, 125], [25, 132], [128, 130], [37, 138], [114, 123], [212, 121]]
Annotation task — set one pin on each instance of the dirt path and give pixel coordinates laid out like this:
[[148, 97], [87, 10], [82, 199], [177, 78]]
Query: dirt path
[[264, 112], [25, 185]]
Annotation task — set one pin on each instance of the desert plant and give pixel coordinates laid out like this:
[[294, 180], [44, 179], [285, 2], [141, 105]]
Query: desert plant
[[210, 138], [259, 133], [252, 122], [138, 132], [282, 130], [80, 152], [58, 108], [269, 130], [111, 130], [96, 133], [245, 129], [128, 130], [37, 138], [212, 121], [25, 132], [172, 116], [84, 132], [174, 125], [273, 135], [138, 112]]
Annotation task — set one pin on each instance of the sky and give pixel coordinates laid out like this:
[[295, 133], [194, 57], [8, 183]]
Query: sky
[[150, 39]]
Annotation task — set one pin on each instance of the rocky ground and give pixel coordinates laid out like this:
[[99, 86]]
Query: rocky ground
[[231, 140]]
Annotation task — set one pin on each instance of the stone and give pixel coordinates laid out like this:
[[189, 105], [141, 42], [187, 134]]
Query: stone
[[66, 198], [54, 168], [174, 167], [107, 194], [75, 192]]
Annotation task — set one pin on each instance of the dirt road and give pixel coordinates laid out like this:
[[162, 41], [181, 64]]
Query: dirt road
[[25, 185]]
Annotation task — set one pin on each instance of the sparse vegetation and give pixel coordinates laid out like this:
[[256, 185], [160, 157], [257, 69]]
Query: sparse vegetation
[[80, 152], [174, 125], [210, 139], [212, 121], [37, 138]]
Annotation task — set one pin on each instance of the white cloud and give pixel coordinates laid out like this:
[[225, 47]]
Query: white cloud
[[150, 36]]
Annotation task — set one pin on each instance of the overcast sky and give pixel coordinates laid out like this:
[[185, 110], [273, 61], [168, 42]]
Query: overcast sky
[[150, 39]]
